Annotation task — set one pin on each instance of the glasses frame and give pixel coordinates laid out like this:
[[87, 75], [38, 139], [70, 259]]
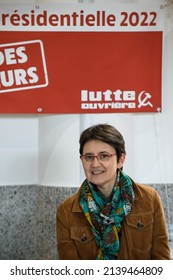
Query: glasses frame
[[97, 157]]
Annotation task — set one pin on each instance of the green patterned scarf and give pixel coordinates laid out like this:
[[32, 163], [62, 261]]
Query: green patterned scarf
[[106, 216]]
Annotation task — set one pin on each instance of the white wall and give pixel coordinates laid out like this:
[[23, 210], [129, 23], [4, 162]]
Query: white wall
[[44, 149], [18, 150], [58, 150]]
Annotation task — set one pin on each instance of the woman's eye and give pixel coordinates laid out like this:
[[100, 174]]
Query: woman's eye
[[103, 156], [88, 157]]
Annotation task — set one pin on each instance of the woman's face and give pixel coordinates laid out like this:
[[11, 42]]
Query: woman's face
[[100, 172]]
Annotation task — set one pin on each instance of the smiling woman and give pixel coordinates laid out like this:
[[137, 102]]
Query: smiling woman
[[110, 217], [101, 169]]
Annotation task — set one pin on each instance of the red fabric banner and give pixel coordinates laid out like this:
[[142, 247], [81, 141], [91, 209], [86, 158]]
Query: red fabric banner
[[80, 72], [69, 59]]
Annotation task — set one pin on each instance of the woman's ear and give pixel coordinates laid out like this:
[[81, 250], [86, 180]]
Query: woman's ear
[[121, 160]]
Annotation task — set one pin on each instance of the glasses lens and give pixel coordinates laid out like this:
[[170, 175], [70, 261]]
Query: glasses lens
[[88, 158], [104, 157]]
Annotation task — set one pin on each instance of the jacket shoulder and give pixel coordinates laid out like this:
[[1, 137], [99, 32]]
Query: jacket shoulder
[[147, 197], [143, 189], [71, 203], [69, 200]]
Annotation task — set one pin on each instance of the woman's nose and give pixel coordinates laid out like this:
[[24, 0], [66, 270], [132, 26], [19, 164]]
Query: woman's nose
[[96, 162]]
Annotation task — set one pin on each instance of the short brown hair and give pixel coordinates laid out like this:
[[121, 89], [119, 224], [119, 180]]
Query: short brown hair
[[105, 133]]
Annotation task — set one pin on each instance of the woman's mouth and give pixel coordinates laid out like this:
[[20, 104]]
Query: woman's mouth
[[97, 172]]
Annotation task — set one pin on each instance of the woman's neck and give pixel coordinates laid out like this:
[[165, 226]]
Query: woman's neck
[[105, 190]]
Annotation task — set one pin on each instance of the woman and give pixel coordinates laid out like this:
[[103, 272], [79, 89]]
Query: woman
[[111, 216]]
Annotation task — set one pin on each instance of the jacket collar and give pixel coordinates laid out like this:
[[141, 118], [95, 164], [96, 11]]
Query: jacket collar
[[137, 190], [76, 205]]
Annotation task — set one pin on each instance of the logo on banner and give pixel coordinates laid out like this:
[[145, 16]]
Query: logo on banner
[[22, 66], [144, 99], [114, 99]]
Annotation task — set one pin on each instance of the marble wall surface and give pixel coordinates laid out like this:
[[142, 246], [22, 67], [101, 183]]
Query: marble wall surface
[[27, 219]]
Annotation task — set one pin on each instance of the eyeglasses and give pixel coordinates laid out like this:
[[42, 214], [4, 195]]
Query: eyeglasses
[[101, 157]]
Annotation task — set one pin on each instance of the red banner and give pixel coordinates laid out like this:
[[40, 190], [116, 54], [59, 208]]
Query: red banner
[[80, 72]]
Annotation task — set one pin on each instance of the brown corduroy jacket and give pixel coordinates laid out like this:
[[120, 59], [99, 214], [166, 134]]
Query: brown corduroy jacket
[[143, 235]]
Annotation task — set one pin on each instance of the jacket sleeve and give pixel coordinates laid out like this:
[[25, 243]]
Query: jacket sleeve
[[160, 248], [66, 246]]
